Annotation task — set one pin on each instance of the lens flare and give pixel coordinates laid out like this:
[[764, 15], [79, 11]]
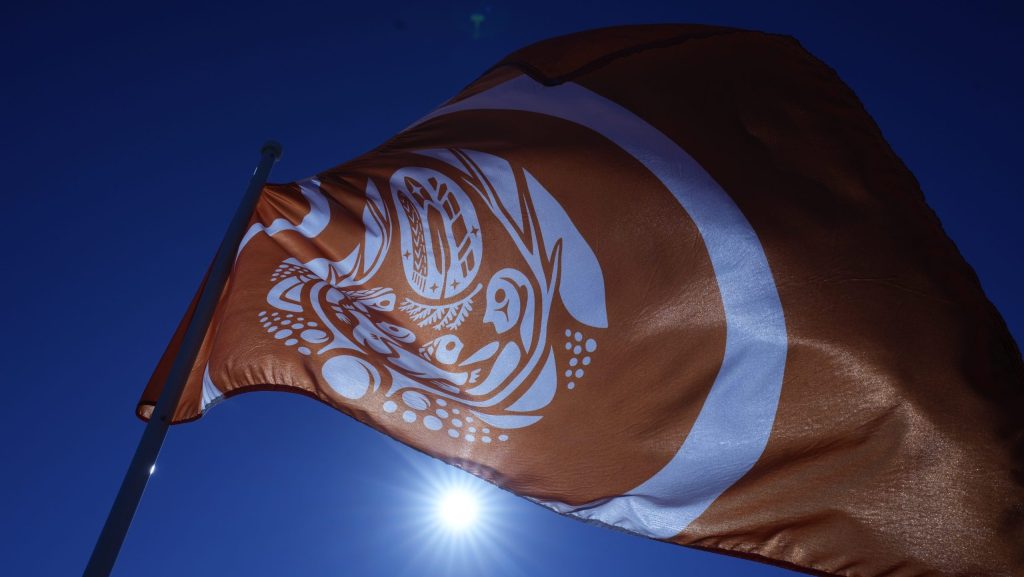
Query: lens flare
[[450, 521], [458, 509]]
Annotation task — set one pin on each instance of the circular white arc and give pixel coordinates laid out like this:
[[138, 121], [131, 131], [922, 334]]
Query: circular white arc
[[732, 429]]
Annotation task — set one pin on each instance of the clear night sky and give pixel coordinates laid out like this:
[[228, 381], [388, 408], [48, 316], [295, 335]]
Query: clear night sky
[[128, 134]]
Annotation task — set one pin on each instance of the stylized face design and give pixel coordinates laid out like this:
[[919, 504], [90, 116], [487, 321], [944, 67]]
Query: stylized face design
[[464, 345]]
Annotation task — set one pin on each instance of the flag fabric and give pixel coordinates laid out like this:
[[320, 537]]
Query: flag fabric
[[669, 279]]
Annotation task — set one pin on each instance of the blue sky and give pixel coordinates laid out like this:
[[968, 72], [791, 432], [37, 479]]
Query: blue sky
[[128, 133]]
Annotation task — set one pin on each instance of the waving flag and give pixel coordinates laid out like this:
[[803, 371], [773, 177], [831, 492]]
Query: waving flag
[[669, 279]]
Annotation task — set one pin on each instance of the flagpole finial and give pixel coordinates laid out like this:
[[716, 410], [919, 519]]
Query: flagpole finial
[[272, 147]]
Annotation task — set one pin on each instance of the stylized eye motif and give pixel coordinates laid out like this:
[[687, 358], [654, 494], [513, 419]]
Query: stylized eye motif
[[384, 303], [380, 299], [398, 333], [446, 349]]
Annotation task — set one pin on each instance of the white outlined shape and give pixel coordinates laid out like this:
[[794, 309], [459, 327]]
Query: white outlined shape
[[732, 429]]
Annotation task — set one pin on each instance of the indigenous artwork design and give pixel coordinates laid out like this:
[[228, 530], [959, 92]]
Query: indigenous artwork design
[[442, 296], [455, 350]]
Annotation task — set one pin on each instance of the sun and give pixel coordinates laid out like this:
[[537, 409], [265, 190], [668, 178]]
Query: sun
[[458, 509], [453, 520]]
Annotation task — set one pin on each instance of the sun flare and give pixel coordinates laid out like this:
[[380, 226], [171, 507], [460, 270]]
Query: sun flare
[[458, 509]]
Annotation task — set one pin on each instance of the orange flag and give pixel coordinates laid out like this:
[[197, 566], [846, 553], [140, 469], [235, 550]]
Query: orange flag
[[665, 278]]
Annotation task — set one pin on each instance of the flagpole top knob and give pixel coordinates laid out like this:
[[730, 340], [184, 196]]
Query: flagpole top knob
[[273, 148]]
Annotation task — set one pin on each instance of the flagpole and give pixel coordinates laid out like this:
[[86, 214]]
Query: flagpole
[[143, 463]]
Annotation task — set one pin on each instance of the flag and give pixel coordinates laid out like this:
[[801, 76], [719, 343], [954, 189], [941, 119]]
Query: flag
[[669, 279]]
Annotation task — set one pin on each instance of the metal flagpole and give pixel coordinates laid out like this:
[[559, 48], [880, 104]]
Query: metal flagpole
[[144, 462]]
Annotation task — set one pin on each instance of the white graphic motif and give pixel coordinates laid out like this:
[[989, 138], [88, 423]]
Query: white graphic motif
[[439, 230], [411, 352], [733, 426]]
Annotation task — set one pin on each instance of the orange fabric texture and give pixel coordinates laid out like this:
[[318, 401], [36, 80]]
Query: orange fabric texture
[[525, 297]]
